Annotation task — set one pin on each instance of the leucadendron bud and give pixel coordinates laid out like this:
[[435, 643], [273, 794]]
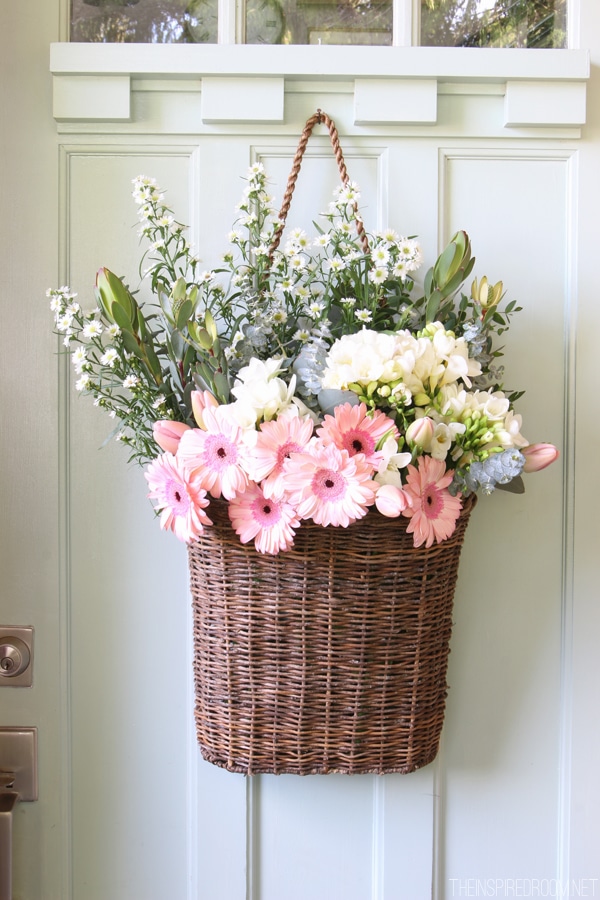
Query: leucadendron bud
[[485, 294]]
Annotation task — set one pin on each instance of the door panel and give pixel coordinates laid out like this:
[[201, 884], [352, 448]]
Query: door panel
[[127, 808]]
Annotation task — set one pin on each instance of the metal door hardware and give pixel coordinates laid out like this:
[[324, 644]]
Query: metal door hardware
[[18, 781], [16, 656]]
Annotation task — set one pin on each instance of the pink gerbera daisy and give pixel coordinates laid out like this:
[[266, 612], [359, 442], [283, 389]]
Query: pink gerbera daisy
[[434, 510], [353, 429], [180, 496], [268, 521], [274, 443], [327, 485], [218, 453]]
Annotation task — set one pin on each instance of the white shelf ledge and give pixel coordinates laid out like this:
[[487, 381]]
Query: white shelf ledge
[[318, 62], [391, 85]]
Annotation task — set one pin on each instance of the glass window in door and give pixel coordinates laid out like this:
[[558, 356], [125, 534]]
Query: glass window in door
[[536, 24]]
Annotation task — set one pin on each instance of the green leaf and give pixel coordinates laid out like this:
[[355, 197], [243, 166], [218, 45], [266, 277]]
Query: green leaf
[[103, 304], [154, 364], [210, 325], [178, 344], [221, 384], [131, 344], [445, 263], [432, 306], [184, 314], [203, 338], [121, 318], [514, 486], [428, 283]]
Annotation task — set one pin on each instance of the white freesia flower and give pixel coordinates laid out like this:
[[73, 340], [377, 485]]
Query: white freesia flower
[[388, 471], [444, 436], [260, 393], [510, 435]]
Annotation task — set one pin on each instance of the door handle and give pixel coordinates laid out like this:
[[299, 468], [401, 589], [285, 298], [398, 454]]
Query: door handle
[[18, 781], [8, 801]]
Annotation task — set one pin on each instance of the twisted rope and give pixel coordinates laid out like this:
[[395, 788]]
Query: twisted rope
[[317, 119]]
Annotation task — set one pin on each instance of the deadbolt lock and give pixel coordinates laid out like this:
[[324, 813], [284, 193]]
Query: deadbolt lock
[[16, 652]]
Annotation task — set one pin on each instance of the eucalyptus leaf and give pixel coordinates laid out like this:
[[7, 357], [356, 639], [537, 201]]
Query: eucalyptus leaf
[[514, 486], [329, 398]]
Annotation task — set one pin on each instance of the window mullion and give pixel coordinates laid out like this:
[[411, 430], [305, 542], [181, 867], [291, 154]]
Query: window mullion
[[227, 29], [405, 15]]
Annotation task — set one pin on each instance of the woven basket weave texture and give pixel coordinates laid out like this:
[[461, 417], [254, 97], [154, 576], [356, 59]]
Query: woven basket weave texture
[[331, 657]]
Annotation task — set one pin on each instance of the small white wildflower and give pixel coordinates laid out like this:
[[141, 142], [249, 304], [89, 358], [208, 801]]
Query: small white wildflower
[[83, 382], [315, 309], [335, 265], [109, 357], [131, 381], [79, 359], [286, 284], [92, 329], [120, 436], [235, 236], [297, 263], [56, 304], [363, 315], [64, 322], [166, 221], [157, 245], [206, 277], [380, 256], [158, 403], [348, 301], [113, 330], [302, 335], [279, 317], [299, 236], [378, 275], [322, 240]]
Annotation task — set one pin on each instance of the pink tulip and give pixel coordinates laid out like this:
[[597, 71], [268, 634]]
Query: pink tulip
[[391, 500], [538, 456], [167, 434], [200, 401], [420, 433]]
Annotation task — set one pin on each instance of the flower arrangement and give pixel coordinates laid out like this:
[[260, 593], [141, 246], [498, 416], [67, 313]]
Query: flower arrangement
[[308, 382]]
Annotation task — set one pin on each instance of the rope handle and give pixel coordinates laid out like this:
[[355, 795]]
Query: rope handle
[[317, 119]]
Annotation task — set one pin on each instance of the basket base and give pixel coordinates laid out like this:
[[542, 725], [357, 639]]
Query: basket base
[[329, 658]]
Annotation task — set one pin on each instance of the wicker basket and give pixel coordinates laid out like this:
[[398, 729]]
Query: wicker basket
[[330, 657]]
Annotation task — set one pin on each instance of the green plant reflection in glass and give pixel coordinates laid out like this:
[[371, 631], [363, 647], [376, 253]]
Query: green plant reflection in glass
[[494, 23]]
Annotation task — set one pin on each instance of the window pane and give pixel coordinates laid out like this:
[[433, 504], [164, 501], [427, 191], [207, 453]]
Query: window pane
[[318, 21], [144, 21], [494, 23]]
